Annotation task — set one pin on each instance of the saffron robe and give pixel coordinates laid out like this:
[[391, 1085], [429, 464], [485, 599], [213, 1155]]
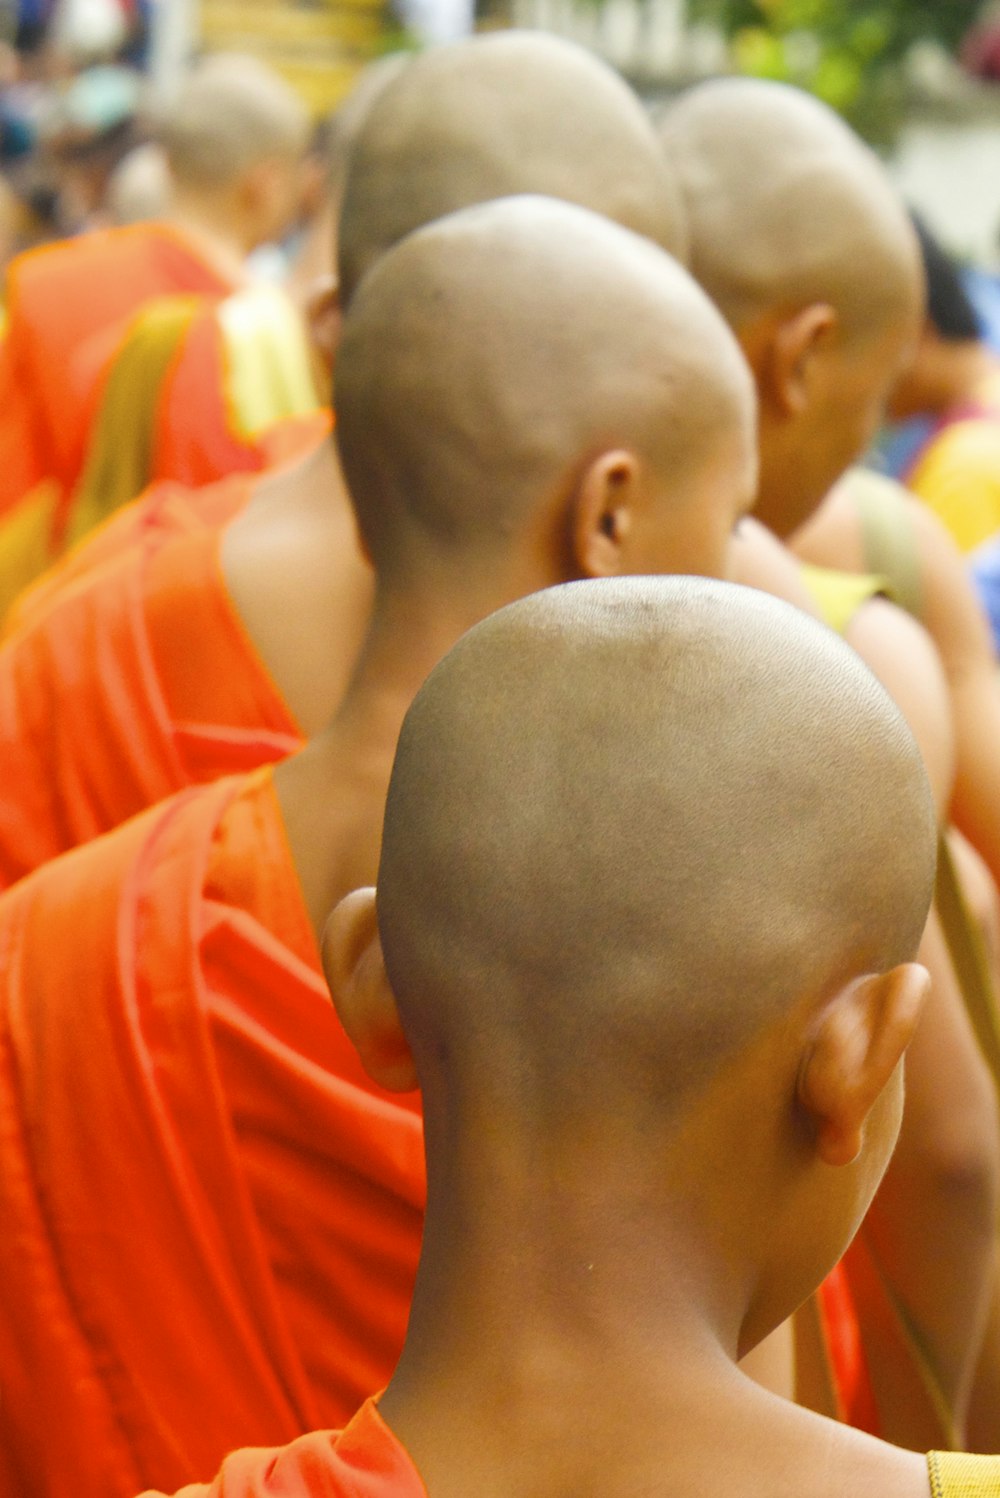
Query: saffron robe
[[196, 393], [363, 1461], [211, 1217], [68, 306], [106, 705], [165, 509]]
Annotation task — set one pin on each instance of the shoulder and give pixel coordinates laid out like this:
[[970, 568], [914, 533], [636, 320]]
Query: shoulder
[[902, 655]]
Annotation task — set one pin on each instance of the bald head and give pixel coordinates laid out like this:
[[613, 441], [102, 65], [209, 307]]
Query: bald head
[[632, 822], [230, 113], [348, 120], [489, 357], [498, 115], [786, 206]]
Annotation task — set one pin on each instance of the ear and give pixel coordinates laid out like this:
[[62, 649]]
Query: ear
[[606, 498], [362, 997], [794, 345], [860, 1041], [324, 318]]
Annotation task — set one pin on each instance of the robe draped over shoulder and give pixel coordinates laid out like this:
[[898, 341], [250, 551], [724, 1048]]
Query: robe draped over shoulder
[[211, 1216], [106, 705]]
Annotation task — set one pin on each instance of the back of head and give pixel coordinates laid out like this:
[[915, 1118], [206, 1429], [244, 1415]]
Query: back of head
[[347, 121], [949, 306], [490, 356], [230, 113], [513, 112], [787, 206], [630, 824]]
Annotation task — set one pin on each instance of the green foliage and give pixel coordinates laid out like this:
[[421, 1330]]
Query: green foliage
[[846, 51]]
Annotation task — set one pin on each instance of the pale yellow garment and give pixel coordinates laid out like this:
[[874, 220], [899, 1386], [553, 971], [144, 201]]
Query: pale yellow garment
[[955, 1474], [839, 595]]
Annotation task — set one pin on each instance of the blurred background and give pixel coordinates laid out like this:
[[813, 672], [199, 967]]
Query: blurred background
[[80, 80]]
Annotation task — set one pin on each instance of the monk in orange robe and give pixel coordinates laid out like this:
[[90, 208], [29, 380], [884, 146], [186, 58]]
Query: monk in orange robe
[[789, 215], [234, 139], [211, 654], [654, 1115], [197, 990]]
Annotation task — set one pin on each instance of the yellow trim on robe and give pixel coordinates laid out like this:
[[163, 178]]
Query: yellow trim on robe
[[956, 1474], [839, 595], [26, 541], [268, 376], [120, 453]]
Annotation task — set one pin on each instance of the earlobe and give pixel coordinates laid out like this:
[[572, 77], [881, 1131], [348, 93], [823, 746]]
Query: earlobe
[[362, 996], [860, 1040], [602, 513], [795, 343]]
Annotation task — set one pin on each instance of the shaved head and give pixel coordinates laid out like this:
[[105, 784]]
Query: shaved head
[[348, 119], [490, 356], [231, 112], [787, 206], [517, 112], [630, 823]]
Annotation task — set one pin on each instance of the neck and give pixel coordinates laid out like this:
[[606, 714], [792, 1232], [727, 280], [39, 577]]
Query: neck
[[332, 794], [561, 1341], [215, 231]]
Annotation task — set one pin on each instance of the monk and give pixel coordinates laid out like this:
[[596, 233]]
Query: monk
[[233, 138], [953, 383], [247, 378], [218, 1092], [219, 651], [798, 237], [656, 1109]]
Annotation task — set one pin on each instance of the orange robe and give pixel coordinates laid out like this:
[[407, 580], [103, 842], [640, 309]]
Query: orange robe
[[167, 508], [136, 681], [363, 1461], [68, 306], [211, 1217]]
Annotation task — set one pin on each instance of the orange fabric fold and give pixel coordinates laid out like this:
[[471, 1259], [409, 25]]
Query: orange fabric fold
[[363, 1461], [211, 1217], [105, 704], [68, 308], [163, 511]]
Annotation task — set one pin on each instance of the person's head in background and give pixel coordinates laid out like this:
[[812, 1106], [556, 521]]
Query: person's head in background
[[93, 125], [507, 113], [951, 356], [800, 239], [234, 136]]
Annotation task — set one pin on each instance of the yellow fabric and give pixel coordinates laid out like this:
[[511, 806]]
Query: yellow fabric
[[955, 1474], [268, 374], [958, 476], [839, 595], [121, 448], [26, 542], [887, 535]]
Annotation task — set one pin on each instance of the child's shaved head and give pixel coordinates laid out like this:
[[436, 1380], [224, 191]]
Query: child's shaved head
[[493, 353], [231, 111], [630, 824], [786, 204], [497, 115]]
